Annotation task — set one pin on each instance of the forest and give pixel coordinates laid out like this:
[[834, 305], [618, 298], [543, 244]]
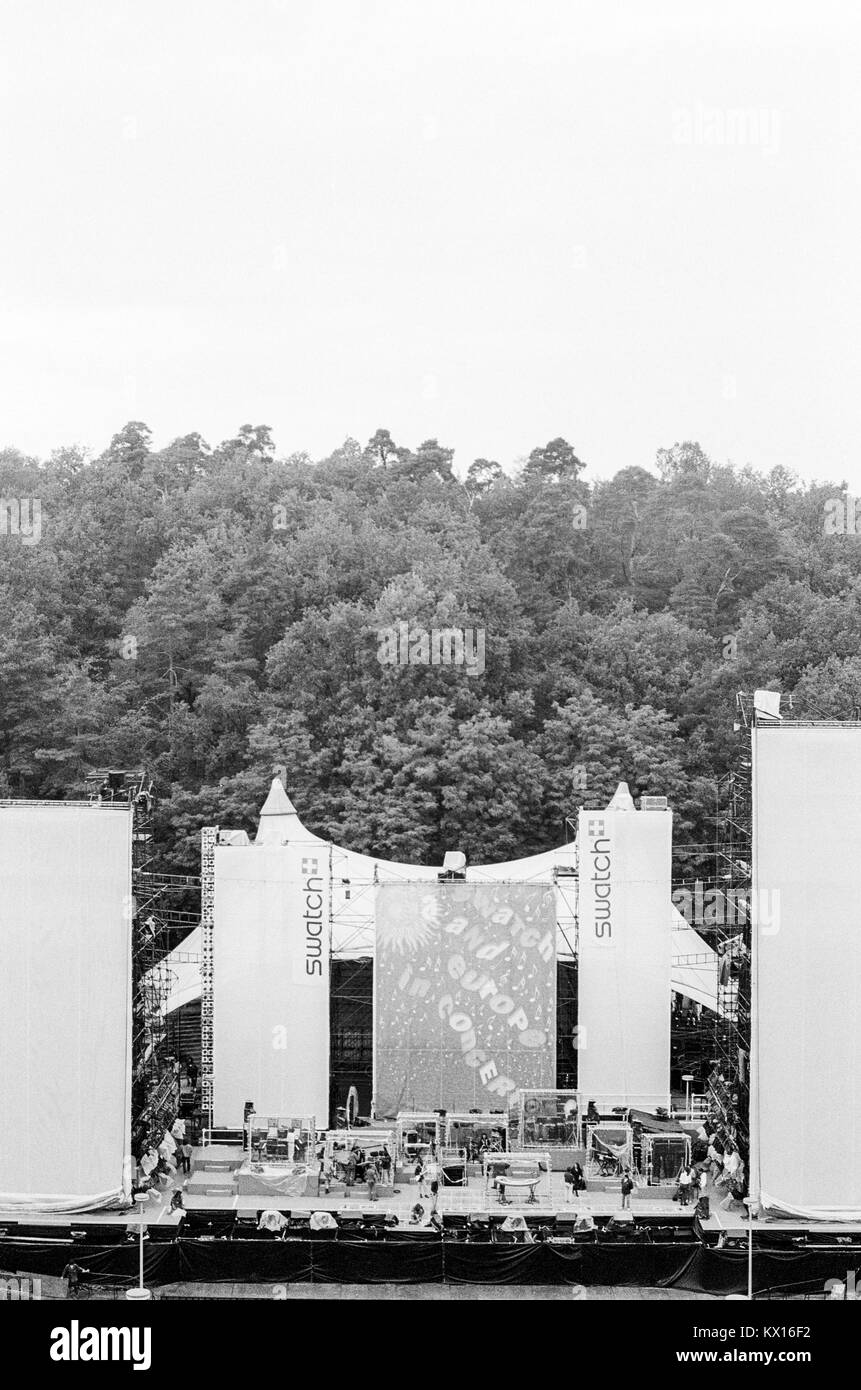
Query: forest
[[214, 616]]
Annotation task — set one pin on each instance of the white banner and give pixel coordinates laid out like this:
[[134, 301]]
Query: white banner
[[805, 1123], [271, 981], [624, 954], [65, 1006]]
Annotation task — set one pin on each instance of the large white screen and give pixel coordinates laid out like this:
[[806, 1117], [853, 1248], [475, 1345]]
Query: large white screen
[[624, 944], [65, 1013], [806, 1083], [271, 981]]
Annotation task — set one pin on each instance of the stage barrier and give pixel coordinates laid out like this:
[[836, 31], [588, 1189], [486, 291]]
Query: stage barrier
[[433, 1259]]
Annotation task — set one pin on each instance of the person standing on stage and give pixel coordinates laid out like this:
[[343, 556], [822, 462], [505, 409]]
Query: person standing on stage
[[686, 1182], [431, 1173], [324, 1175], [371, 1176], [627, 1189]]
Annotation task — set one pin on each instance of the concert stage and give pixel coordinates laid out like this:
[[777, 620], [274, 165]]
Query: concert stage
[[216, 1240]]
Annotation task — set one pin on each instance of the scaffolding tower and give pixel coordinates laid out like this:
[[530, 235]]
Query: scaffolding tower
[[156, 925], [729, 1078]]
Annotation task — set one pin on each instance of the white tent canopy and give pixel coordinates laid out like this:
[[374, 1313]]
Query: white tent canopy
[[354, 877]]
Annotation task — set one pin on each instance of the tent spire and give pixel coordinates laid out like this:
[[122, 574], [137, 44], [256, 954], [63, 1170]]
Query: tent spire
[[278, 819]]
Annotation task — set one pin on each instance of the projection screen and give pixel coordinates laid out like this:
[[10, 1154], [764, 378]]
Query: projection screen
[[65, 1005], [464, 994], [806, 978], [271, 976]]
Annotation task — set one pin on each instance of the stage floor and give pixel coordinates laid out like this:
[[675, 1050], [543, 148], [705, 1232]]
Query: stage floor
[[472, 1198]]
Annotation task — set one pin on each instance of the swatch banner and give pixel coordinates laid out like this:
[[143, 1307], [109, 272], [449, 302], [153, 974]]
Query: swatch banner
[[624, 957], [464, 994], [271, 974]]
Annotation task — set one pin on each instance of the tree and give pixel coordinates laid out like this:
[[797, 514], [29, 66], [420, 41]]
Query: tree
[[216, 614], [130, 448], [555, 461], [381, 449], [482, 474]]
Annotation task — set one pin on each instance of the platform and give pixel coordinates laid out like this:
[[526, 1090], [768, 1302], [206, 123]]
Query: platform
[[213, 1189]]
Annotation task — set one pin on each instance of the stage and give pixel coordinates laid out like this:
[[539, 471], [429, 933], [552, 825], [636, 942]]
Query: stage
[[216, 1170], [658, 1244]]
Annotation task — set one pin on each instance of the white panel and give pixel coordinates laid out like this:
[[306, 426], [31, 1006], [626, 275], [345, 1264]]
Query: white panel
[[65, 1024], [806, 1083], [624, 952], [271, 970]]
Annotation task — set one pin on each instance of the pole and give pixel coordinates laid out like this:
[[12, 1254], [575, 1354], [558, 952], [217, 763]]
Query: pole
[[749, 1250], [688, 1078], [749, 1203], [140, 1292]]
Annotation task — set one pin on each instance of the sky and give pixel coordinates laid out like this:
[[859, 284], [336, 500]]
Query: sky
[[629, 223]]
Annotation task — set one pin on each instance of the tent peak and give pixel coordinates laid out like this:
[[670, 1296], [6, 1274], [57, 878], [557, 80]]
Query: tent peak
[[277, 802], [622, 799]]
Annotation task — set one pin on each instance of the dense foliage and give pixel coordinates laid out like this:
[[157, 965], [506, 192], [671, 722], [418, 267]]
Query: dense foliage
[[215, 615]]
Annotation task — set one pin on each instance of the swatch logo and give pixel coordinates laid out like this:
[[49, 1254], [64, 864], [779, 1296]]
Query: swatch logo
[[312, 889], [600, 850]]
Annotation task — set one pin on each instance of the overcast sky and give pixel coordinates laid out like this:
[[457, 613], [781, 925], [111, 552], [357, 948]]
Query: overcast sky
[[629, 223]]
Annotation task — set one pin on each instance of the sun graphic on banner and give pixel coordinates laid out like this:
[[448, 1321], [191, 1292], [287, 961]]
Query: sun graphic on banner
[[407, 934]]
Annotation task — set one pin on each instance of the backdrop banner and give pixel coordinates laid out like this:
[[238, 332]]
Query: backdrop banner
[[65, 1006], [806, 986], [464, 994], [625, 940], [271, 981]]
